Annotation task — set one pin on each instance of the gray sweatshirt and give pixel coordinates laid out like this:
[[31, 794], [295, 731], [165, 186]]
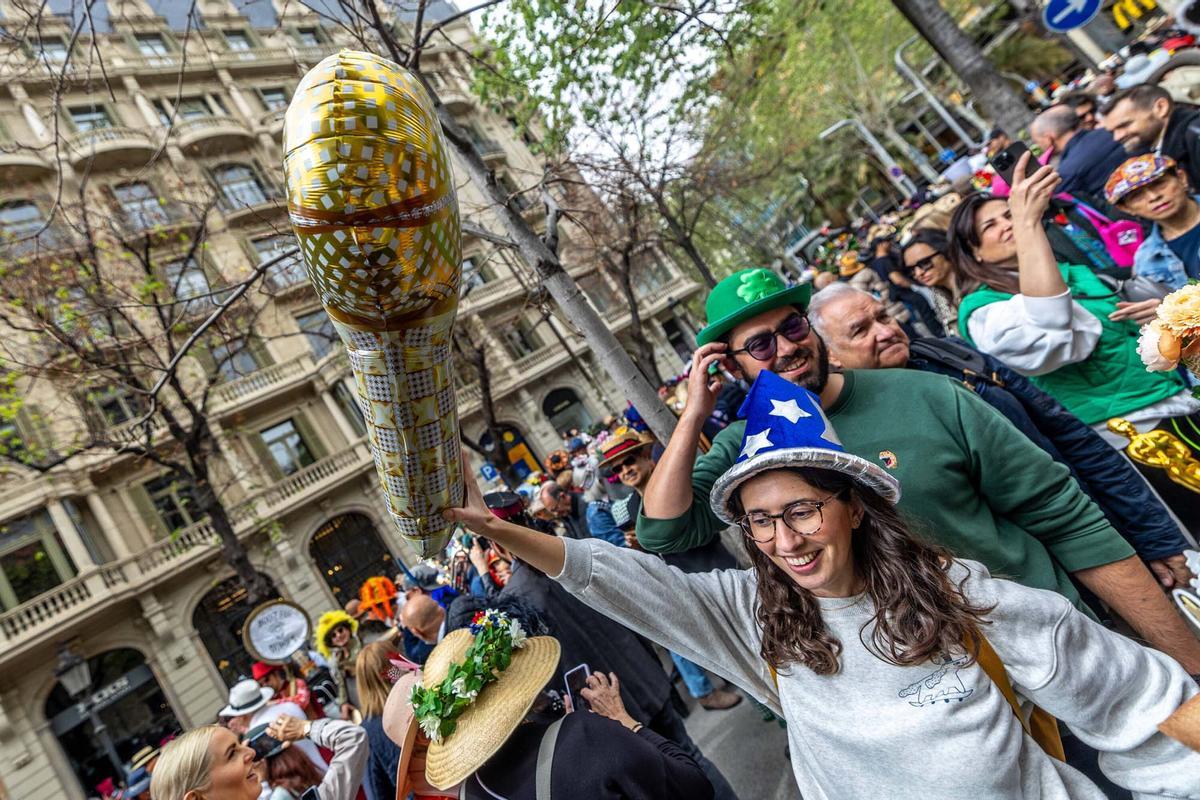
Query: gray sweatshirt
[[876, 730]]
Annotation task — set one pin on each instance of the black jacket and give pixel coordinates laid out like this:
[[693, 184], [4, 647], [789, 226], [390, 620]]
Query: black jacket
[[595, 758], [1101, 471], [1182, 142], [588, 637], [1087, 161]]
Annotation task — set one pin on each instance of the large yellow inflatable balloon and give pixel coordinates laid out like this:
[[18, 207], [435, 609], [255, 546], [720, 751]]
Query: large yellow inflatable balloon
[[371, 199]]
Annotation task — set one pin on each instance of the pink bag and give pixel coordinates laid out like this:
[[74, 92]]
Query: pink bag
[[1121, 237]]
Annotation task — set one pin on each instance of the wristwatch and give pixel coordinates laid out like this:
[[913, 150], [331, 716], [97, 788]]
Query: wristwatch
[[307, 728]]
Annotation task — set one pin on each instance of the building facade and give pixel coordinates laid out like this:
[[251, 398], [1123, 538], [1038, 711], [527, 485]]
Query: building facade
[[102, 556]]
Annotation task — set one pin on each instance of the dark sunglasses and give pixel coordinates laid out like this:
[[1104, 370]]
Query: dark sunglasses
[[619, 466], [924, 264], [762, 346]]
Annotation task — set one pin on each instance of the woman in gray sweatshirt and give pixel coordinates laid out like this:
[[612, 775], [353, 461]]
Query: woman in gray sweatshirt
[[862, 636]]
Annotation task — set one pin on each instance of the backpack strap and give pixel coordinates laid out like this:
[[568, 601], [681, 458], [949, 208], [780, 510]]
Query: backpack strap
[[545, 759], [1041, 726], [955, 356]]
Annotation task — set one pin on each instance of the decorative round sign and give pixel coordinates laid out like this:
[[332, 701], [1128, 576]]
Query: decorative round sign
[[276, 630]]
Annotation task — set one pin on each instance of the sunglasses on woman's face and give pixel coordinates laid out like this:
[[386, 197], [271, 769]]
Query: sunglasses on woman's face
[[924, 264], [762, 346]]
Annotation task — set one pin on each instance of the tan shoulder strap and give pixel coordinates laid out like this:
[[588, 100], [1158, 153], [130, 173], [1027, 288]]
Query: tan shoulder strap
[[1040, 725]]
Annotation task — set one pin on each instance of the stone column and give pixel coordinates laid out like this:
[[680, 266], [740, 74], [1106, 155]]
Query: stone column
[[29, 111], [239, 99], [111, 532], [339, 417], [70, 536], [139, 99]]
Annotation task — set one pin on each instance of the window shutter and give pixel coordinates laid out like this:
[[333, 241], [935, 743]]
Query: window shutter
[[34, 430], [309, 435], [146, 510], [258, 348], [265, 459]]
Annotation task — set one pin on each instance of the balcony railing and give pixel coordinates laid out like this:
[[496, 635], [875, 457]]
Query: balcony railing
[[93, 590], [209, 135], [255, 55], [260, 382], [121, 147]]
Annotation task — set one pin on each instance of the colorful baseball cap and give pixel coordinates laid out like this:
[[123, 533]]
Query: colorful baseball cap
[[1136, 173]]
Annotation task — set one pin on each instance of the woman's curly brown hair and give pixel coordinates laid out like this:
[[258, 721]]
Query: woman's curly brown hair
[[919, 613]]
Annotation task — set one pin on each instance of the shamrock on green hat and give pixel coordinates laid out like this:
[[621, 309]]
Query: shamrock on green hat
[[746, 294]]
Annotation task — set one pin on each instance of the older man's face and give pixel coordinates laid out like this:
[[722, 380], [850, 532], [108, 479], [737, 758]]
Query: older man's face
[[862, 335]]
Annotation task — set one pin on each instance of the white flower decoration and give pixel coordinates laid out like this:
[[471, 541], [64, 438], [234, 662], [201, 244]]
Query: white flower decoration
[[430, 725], [517, 633], [459, 685], [1148, 349]]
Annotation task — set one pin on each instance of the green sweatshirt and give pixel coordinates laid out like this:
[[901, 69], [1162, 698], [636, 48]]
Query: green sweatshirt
[[969, 481]]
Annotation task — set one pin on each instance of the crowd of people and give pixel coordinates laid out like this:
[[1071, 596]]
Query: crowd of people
[[913, 529]]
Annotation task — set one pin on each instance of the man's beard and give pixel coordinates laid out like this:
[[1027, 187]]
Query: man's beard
[[815, 380]]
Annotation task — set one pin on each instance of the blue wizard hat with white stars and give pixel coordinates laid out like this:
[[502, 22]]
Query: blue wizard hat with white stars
[[785, 427]]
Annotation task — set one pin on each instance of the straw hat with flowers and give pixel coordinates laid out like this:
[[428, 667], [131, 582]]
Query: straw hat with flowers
[[477, 686]]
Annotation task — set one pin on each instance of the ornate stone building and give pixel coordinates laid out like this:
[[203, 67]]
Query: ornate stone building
[[104, 557]]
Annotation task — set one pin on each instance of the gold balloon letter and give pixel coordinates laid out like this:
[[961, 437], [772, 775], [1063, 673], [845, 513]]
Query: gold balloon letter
[[371, 199]]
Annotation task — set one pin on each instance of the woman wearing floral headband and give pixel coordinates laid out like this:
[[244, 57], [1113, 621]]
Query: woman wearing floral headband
[[481, 723], [894, 663]]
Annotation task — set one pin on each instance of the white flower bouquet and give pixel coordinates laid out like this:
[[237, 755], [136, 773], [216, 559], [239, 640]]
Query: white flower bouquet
[[1174, 338]]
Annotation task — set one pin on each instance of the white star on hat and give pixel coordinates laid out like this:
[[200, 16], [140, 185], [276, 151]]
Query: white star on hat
[[756, 442], [791, 411]]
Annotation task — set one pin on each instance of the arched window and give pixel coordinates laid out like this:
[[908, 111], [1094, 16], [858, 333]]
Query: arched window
[[121, 711], [348, 550], [218, 619]]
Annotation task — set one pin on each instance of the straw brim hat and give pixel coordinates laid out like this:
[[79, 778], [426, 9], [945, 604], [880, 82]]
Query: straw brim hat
[[400, 725], [488, 722], [869, 475], [624, 446]]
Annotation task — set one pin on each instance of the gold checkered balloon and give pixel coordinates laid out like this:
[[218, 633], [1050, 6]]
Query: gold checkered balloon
[[371, 199]]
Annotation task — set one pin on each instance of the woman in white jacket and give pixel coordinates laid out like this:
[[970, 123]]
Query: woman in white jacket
[[864, 638]]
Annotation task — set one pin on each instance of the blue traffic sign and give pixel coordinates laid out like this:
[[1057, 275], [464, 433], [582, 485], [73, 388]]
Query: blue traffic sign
[[1061, 16], [488, 472], [948, 156]]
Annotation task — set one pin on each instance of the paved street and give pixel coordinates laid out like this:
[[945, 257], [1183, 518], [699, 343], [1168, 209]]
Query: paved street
[[747, 750]]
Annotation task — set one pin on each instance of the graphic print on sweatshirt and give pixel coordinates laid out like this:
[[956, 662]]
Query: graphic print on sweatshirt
[[942, 684]]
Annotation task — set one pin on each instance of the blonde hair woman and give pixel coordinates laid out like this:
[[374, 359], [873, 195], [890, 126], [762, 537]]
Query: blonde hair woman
[[378, 666], [209, 763]]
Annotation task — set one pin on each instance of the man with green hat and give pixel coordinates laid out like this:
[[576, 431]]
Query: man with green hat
[[975, 483]]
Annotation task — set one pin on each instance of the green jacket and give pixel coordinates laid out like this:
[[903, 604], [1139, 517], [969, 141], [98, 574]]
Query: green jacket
[[969, 481], [1112, 381]]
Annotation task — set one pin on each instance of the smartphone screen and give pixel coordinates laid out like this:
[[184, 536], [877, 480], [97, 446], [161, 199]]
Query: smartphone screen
[[576, 680], [1006, 160]]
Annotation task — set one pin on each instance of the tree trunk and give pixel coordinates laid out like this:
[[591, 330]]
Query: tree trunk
[[562, 287], [232, 551], [996, 95]]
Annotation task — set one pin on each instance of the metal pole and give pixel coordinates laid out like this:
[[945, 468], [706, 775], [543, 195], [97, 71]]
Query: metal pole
[[914, 155], [100, 731], [915, 79], [897, 176]]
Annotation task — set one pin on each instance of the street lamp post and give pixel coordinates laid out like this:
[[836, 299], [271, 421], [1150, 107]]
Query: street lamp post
[[894, 172], [908, 72], [75, 676]]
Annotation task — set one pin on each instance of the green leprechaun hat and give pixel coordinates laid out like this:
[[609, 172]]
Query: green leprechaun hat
[[745, 294]]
